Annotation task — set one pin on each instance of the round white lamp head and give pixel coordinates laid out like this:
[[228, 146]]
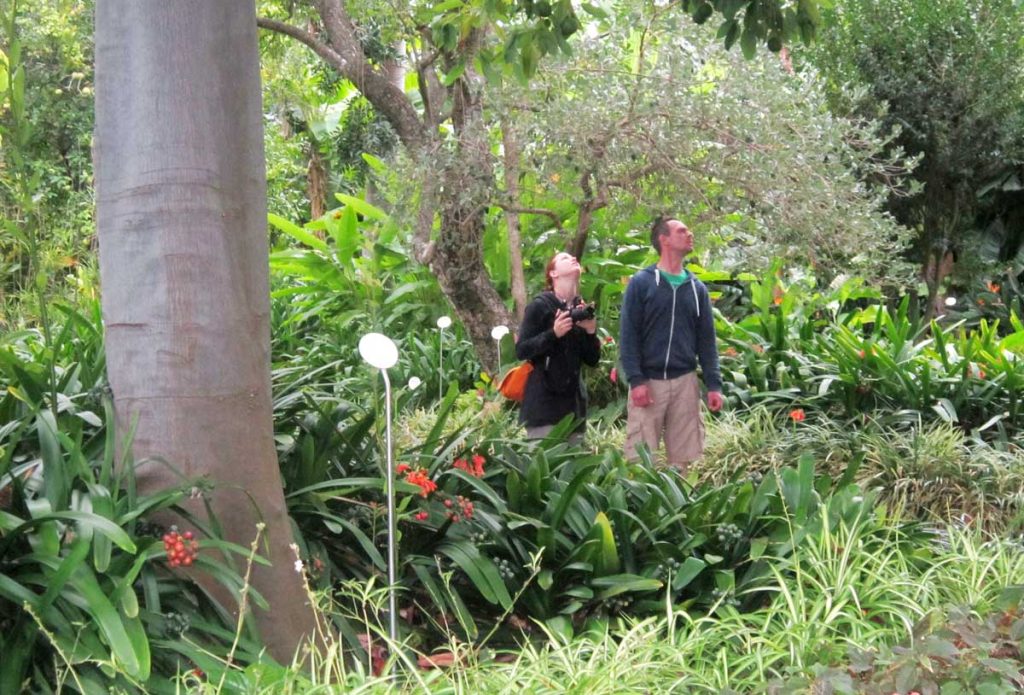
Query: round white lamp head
[[414, 383], [444, 322], [950, 301], [378, 350], [499, 332]]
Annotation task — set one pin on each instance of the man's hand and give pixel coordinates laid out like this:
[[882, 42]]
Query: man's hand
[[715, 401], [563, 323], [641, 396], [590, 326]]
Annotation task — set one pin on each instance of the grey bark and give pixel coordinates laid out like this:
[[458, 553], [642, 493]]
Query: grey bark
[[515, 242], [181, 214]]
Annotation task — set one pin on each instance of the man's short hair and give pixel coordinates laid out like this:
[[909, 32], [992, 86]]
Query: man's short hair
[[659, 229]]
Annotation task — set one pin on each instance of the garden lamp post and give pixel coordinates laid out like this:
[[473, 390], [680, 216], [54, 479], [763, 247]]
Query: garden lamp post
[[499, 332], [380, 351], [442, 323]]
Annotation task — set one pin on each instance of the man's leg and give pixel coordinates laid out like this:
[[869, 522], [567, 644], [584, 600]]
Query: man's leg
[[645, 425], [684, 422]]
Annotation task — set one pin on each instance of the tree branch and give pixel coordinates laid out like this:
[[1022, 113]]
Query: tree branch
[[332, 57], [532, 211]]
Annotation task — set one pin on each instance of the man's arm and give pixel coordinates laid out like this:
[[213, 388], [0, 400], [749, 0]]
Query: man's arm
[[631, 320], [707, 352]]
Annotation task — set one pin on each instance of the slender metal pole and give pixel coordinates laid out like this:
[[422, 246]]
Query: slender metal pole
[[440, 365], [392, 531]]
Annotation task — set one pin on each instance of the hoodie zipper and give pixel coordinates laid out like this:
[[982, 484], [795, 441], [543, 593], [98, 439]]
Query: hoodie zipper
[[672, 324], [671, 331]]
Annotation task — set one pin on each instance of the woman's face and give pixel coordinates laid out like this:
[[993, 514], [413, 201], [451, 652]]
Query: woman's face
[[565, 264]]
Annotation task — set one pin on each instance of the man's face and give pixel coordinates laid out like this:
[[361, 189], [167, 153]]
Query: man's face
[[679, 237]]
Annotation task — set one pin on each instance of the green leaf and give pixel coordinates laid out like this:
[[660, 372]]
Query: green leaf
[[134, 660], [594, 10], [453, 75], [480, 570], [688, 571], [748, 44], [55, 476], [362, 207], [622, 583], [561, 627], [606, 555], [296, 232]]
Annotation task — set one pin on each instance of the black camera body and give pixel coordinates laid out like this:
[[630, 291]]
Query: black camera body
[[581, 311]]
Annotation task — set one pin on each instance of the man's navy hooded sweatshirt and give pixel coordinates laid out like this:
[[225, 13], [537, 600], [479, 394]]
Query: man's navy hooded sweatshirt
[[664, 330]]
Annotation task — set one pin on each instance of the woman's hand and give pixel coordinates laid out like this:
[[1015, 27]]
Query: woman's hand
[[590, 326], [563, 323]]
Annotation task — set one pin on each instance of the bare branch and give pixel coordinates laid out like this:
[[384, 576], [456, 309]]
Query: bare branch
[[332, 57], [533, 211]]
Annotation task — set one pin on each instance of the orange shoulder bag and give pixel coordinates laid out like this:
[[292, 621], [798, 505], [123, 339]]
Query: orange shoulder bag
[[513, 384]]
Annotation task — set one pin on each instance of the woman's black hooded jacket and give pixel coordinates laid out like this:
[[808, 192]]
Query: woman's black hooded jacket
[[554, 388]]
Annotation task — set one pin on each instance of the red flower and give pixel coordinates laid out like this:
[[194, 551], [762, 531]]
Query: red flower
[[608, 340], [476, 469], [402, 468], [797, 415], [993, 287], [422, 516], [614, 375], [419, 477], [861, 353]]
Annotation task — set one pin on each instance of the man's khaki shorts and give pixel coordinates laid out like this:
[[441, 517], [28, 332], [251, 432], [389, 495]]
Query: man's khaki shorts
[[675, 415]]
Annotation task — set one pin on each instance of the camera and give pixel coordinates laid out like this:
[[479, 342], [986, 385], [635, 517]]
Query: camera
[[581, 311]]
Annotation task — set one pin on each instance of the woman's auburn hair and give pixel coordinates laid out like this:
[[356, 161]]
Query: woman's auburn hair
[[549, 284]]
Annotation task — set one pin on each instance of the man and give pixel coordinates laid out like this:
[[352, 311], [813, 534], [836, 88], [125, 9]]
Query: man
[[666, 327]]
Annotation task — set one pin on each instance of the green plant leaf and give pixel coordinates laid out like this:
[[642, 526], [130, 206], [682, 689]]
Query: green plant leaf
[[480, 570], [296, 232]]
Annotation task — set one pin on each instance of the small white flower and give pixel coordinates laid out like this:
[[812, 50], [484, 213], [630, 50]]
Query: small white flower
[[499, 332], [444, 322], [299, 567], [858, 499], [414, 383]]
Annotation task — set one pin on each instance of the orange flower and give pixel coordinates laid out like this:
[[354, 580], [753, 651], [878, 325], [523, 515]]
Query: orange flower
[[476, 469], [993, 287], [797, 415], [419, 477], [861, 353], [757, 348], [730, 351]]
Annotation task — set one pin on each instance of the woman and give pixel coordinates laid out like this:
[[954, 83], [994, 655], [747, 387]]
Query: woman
[[557, 346]]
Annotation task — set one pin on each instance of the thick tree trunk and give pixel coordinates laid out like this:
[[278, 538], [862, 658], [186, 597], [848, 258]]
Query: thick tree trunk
[[459, 261], [181, 213]]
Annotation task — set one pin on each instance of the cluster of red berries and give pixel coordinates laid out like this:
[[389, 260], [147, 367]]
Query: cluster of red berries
[[181, 548], [460, 508]]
